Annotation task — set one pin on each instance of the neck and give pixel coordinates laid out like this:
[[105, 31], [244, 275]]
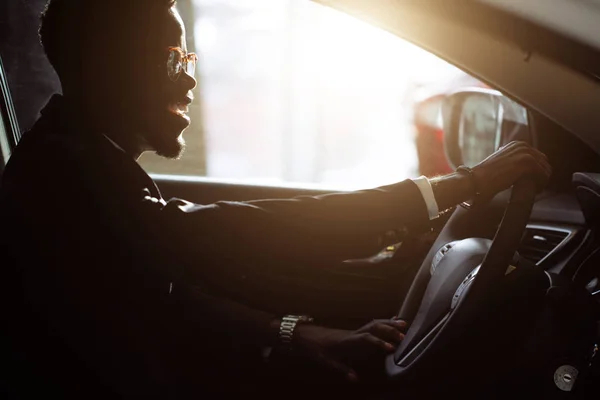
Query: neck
[[105, 121], [132, 145]]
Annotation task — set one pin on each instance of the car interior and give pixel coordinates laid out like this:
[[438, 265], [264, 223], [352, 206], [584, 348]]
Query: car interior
[[503, 297]]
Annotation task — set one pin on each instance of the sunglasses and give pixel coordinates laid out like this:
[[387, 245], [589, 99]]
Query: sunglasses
[[178, 62]]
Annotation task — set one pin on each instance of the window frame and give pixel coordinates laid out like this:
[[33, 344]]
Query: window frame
[[9, 126]]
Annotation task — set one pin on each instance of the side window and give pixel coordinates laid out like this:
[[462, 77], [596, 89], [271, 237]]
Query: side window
[[292, 92], [289, 93], [30, 76]]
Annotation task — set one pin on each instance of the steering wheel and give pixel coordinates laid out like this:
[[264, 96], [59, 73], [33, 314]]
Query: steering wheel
[[451, 289]]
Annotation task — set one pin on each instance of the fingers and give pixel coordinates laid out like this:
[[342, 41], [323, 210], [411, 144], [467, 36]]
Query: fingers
[[535, 165], [530, 162], [400, 323], [511, 147], [389, 331], [382, 334], [370, 340], [543, 161], [513, 161], [524, 149], [336, 366]]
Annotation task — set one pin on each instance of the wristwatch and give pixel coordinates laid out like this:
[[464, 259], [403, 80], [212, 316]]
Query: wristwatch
[[463, 170], [288, 326]]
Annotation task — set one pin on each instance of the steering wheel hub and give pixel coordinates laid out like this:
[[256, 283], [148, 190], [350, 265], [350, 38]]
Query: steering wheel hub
[[452, 265]]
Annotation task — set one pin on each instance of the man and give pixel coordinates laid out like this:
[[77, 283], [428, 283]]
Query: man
[[138, 296]]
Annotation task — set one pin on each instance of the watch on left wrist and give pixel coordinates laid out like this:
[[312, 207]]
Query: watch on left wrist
[[287, 328]]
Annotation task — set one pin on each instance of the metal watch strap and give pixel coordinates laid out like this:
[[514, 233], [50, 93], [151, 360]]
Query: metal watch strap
[[288, 326]]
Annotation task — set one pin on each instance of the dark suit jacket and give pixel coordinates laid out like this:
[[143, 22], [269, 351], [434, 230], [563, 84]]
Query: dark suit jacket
[[143, 291]]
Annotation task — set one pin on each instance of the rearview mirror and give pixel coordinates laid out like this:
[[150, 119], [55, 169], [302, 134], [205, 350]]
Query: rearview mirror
[[477, 122]]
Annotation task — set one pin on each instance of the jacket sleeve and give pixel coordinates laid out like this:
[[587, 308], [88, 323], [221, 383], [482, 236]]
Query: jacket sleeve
[[328, 228]]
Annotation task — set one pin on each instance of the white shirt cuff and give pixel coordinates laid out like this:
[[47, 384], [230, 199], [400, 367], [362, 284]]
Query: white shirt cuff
[[427, 192]]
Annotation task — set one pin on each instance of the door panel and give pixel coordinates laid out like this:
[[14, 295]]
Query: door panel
[[205, 191]]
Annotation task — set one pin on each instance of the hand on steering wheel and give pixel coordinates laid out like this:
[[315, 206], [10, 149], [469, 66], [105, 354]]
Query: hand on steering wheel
[[342, 351], [502, 169]]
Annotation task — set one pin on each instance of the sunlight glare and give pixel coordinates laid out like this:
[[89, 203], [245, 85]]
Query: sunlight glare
[[353, 53]]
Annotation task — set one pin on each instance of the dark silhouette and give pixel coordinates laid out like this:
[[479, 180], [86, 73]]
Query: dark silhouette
[[125, 294]]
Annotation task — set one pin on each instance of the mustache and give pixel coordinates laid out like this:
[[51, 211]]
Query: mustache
[[186, 99]]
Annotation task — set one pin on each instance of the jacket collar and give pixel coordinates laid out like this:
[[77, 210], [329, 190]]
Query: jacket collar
[[65, 118]]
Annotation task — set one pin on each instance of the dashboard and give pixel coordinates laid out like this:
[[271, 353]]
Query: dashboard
[[563, 235]]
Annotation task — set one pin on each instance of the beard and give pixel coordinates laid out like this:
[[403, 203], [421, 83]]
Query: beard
[[164, 136], [153, 120], [172, 151]]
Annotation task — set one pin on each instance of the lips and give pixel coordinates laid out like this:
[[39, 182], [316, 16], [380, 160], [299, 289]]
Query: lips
[[181, 107]]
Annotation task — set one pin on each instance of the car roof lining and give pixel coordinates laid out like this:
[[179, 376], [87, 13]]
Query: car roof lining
[[577, 19], [533, 78]]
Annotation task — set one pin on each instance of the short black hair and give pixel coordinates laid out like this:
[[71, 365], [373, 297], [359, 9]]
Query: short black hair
[[69, 28]]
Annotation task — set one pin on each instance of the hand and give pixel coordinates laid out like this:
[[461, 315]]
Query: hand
[[507, 165], [340, 350]]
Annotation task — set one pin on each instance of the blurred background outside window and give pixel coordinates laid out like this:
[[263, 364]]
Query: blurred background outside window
[[294, 93], [289, 93]]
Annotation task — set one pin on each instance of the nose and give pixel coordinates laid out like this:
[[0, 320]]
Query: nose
[[187, 81]]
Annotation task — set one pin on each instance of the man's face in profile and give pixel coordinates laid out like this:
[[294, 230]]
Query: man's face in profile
[[157, 93]]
